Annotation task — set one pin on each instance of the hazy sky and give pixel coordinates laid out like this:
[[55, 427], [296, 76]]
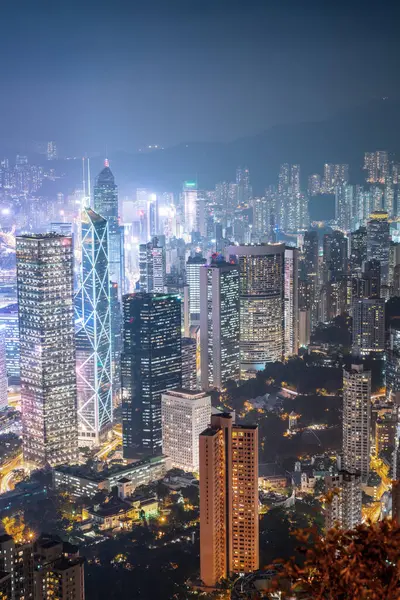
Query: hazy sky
[[127, 73]]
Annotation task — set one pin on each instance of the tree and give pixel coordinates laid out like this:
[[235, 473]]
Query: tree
[[361, 563]]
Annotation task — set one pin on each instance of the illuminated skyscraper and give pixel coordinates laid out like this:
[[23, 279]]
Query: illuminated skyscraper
[[93, 334], [261, 297], [190, 206], [189, 364], [185, 415], [368, 326], [3, 368], [291, 301], [47, 348], [378, 242], [358, 250], [393, 361], [356, 420], [152, 267], [106, 205], [311, 269], [314, 184], [9, 320], [193, 267], [334, 175], [151, 364], [219, 323], [377, 166], [229, 536], [244, 191]]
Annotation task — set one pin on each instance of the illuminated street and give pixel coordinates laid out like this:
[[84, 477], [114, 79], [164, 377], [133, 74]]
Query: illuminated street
[[7, 473]]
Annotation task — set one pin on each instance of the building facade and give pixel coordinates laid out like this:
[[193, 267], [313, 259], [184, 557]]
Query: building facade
[[356, 420], [261, 302], [189, 364], [344, 510], [93, 333], [47, 349], [185, 415], [151, 364], [219, 324]]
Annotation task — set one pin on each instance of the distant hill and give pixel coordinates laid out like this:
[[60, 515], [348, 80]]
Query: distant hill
[[343, 138]]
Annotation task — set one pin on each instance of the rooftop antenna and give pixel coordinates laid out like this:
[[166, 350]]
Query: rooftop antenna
[[88, 177], [106, 161], [83, 177]]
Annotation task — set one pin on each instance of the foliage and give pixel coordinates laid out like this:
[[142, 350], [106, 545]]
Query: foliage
[[361, 563]]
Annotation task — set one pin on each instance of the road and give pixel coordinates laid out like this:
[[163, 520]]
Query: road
[[111, 445], [7, 473], [373, 512]]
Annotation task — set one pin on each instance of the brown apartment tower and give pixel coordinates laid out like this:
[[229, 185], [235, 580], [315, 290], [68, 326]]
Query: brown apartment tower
[[229, 539]]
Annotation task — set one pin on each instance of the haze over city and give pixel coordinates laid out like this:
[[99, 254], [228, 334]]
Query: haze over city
[[199, 300]]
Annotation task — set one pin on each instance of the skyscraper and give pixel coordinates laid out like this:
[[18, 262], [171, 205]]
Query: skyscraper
[[358, 249], [152, 267], [47, 345], [193, 267], [356, 420], [93, 333], [229, 535], [190, 207], [189, 364], [151, 364], [106, 204], [185, 415], [393, 361], [377, 166], [261, 300], [3, 368], [378, 242], [311, 271], [344, 510], [291, 301], [368, 326], [335, 250], [219, 323]]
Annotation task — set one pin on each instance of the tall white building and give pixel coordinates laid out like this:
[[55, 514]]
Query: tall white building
[[219, 324], [193, 266], [262, 302], [3, 368], [185, 415], [291, 302], [356, 420], [344, 508], [190, 206]]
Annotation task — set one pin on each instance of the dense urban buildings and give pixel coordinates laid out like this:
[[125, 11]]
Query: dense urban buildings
[[228, 500], [185, 415], [151, 364], [93, 334], [219, 323], [47, 349], [356, 420], [344, 510], [262, 304]]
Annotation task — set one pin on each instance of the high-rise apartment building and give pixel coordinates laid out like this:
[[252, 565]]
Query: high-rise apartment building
[[243, 187], [291, 301], [189, 364], [356, 420], [368, 326], [335, 251], [393, 361], [106, 204], [185, 415], [9, 320], [377, 166], [229, 536], [311, 272], [3, 369], [93, 333], [58, 571], [378, 242], [193, 267], [16, 559], [344, 509], [151, 364], [219, 323], [47, 348], [261, 301], [334, 175], [358, 250]]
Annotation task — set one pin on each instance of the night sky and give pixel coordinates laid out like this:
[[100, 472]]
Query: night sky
[[122, 74]]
